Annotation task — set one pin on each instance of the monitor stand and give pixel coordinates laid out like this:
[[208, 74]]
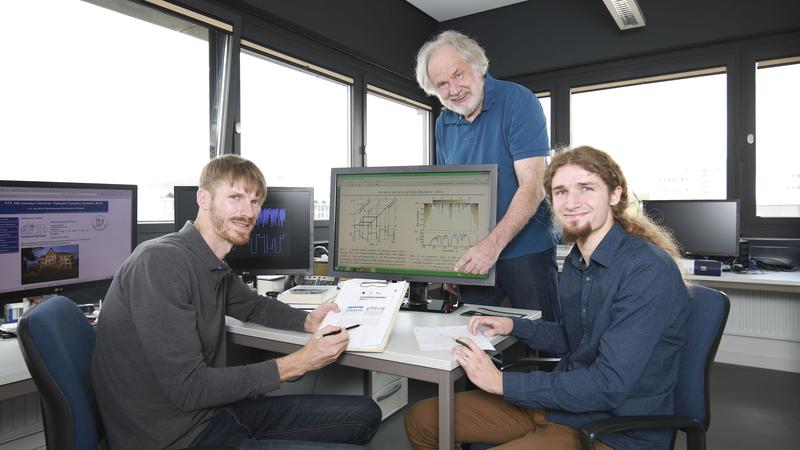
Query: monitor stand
[[418, 300]]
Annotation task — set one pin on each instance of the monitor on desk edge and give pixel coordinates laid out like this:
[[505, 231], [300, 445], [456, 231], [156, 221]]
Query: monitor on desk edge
[[56, 236]]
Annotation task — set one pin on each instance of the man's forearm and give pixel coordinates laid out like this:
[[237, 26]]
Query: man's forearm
[[523, 206], [290, 366]]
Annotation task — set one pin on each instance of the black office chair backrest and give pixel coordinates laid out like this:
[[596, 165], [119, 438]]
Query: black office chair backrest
[[707, 320], [57, 343]]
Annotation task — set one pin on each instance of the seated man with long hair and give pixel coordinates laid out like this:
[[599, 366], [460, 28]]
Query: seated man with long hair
[[624, 310]]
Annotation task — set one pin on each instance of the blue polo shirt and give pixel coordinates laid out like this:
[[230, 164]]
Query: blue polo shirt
[[510, 127], [624, 324]]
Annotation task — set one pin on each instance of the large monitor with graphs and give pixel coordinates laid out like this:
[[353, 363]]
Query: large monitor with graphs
[[703, 228], [56, 236], [282, 240], [410, 223]]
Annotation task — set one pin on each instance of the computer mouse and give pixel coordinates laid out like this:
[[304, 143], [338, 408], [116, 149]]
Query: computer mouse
[[738, 268]]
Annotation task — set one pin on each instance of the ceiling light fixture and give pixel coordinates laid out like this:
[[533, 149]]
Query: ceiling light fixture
[[626, 13]]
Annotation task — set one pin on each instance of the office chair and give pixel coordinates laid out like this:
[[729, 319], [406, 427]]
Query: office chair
[[706, 323], [692, 415], [57, 343]]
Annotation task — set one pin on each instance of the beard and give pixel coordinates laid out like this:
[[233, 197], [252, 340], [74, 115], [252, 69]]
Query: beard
[[576, 233], [228, 231], [466, 109]]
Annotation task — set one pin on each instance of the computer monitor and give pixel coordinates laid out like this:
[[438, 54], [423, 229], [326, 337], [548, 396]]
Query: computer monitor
[[703, 228], [55, 236], [281, 241], [410, 223]]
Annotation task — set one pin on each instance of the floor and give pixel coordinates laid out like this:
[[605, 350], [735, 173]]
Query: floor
[[751, 409]]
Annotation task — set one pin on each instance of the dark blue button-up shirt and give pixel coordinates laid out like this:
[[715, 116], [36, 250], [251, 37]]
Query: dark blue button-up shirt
[[623, 326]]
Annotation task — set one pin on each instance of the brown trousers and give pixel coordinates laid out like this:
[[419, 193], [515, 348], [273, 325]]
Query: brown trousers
[[487, 418]]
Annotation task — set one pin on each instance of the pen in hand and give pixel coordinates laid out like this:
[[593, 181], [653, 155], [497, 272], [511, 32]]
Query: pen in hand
[[331, 333], [495, 360]]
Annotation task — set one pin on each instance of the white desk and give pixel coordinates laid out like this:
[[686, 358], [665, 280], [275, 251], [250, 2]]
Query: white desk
[[15, 380], [763, 328], [401, 357], [767, 281]]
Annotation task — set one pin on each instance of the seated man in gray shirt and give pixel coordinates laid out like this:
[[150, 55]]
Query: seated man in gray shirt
[[159, 362]]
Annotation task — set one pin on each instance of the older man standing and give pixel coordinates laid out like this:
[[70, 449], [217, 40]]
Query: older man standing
[[488, 121]]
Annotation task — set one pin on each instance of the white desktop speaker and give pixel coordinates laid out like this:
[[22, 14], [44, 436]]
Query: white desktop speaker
[[270, 283]]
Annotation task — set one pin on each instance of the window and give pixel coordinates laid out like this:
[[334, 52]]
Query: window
[[777, 134], [294, 123], [398, 130], [669, 134], [544, 100], [102, 97]]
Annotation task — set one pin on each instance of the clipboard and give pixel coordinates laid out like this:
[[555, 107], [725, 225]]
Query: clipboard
[[371, 304]]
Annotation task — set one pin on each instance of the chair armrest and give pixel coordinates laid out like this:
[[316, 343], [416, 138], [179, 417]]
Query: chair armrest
[[531, 361], [695, 432]]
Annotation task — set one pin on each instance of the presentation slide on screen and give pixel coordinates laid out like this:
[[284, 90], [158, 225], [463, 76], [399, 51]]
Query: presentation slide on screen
[[52, 238], [410, 223]]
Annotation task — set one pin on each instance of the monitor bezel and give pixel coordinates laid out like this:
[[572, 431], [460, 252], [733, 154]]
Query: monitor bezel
[[268, 271], [691, 253], [176, 207], [105, 282], [332, 246]]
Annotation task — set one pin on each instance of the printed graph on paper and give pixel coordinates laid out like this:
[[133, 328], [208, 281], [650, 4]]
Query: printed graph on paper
[[374, 219], [449, 223]]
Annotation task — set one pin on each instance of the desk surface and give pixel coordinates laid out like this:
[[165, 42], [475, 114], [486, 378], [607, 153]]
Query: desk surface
[[15, 380], [13, 368], [762, 280], [401, 357], [765, 281], [402, 346]]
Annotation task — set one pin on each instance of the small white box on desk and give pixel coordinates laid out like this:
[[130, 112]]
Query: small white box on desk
[[703, 267], [14, 311], [313, 295]]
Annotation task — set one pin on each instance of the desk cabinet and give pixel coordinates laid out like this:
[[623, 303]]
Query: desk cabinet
[[390, 392], [763, 328]]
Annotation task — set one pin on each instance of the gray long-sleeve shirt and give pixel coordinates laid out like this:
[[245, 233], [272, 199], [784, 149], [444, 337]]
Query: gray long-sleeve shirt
[[159, 362]]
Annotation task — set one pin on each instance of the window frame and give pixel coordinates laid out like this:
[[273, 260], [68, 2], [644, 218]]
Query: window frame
[[739, 58], [277, 56], [774, 227], [224, 81], [393, 96], [316, 54]]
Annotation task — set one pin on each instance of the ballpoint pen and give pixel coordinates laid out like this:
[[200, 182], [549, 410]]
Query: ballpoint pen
[[331, 333], [495, 360]]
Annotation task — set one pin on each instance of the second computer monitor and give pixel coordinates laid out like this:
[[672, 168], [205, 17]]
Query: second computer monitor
[[703, 228], [56, 236], [412, 222], [282, 240]]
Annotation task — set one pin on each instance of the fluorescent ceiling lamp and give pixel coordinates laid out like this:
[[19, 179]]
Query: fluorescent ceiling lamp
[[626, 13]]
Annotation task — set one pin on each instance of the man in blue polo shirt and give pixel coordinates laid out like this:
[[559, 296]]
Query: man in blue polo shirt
[[488, 121]]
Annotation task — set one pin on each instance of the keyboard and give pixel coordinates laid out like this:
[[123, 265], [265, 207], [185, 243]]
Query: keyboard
[[318, 280]]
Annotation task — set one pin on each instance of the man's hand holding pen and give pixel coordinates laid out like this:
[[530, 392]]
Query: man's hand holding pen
[[478, 366], [323, 348]]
